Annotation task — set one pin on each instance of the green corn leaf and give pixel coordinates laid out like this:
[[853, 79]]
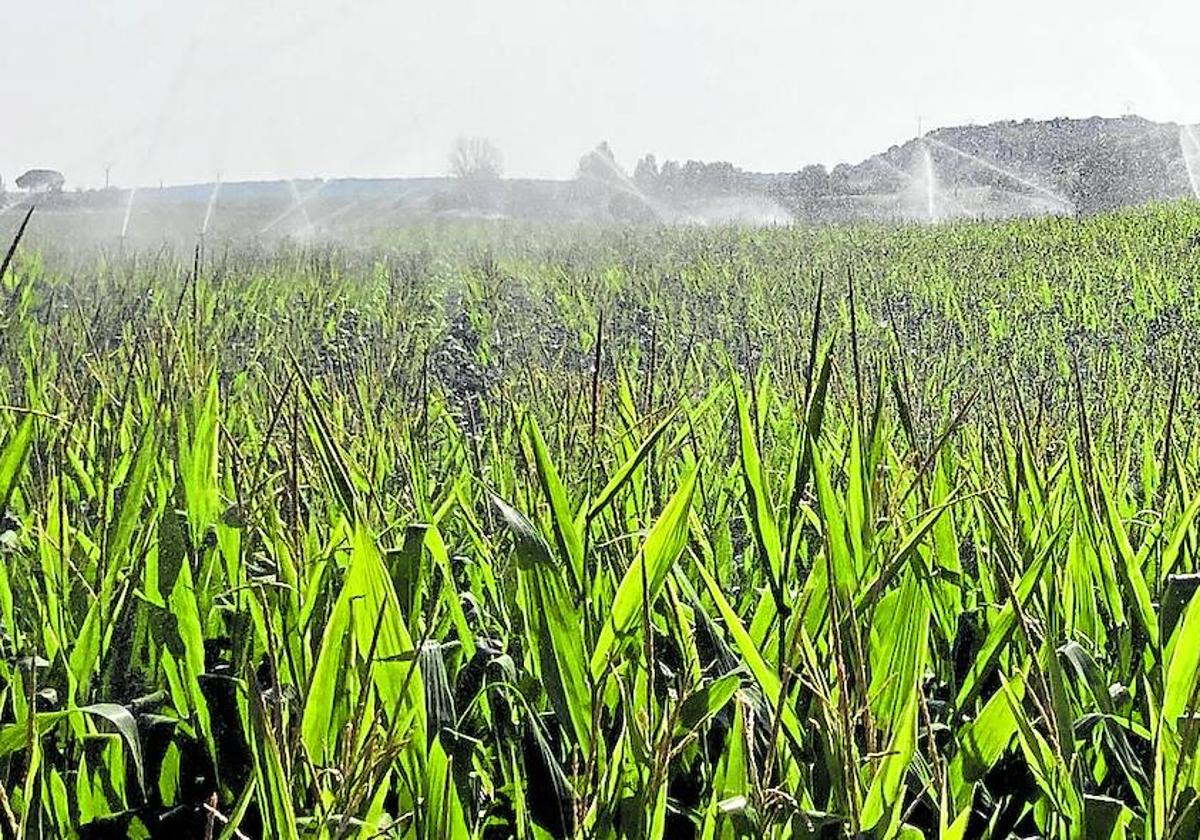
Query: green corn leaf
[[900, 668], [699, 706], [447, 820], [662, 548], [762, 512], [985, 738], [1179, 535], [12, 736], [556, 622], [1130, 571], [569, 541], [367, 600], [768, 680], [1002, 627], [621, 477], [1183, 666], [121, 718], [274, 797], [12, 458], [134, 496]]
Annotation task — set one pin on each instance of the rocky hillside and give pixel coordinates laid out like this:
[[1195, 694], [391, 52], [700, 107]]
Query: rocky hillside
[[1008, 168]]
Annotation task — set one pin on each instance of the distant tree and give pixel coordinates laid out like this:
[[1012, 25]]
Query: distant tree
[[669, 177], [839, 179], [475, 159], [802, 191], [695, 178], [477, 164], [600, 164], [812, 181], [692, 176], [41, 180], [720, 177], [646, 172]]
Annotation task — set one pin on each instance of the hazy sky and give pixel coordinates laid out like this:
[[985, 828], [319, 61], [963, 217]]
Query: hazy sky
[[177, 90]]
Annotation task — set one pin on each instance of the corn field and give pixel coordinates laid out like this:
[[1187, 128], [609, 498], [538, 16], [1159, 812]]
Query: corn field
[[880, 532]]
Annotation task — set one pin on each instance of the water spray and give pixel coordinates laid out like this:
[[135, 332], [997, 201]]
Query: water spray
[[930, 184], [128, 213], [1189, 149], [1059, 200], [297, 205], [212, 205], [208, 214]]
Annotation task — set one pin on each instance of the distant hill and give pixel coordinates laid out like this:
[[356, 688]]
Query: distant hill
[[1005, 169], [1021, 168]]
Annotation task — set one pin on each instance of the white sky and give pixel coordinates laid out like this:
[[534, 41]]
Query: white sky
[[177, 90]]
